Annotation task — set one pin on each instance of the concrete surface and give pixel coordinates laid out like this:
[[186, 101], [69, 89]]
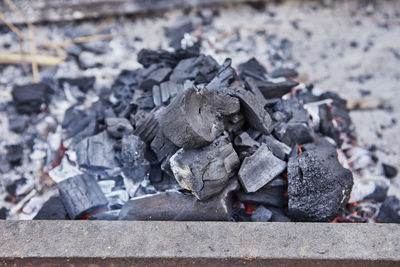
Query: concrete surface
[[205, 240]]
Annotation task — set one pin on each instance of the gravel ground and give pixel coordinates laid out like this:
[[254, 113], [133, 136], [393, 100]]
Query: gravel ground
[[350, 47]]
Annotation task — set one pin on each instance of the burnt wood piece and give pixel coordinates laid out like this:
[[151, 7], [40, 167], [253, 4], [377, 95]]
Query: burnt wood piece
[[165, 92], [293, 110], [205, 171], [61, 10], [147, 128], [225, 75], [154, 75], [390, 210], [162, 147], [14, 154], [253, 109], [83, 83], [244, 141], [201, 69], [275, 90], [272, 194], [279, 149], [96, 152], [326, 126], [318, 186], [53, 209], [259, 169], [29, 98], [245, 145], [134, 165], [118, 127], [293, 133], [194, 119], [389, 171], [252, 68], [177, 206], [282, 72], [81, 195], [147, 57], [261, 214]]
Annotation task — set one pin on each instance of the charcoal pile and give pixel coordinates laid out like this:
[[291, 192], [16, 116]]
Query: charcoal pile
[[185, 138]]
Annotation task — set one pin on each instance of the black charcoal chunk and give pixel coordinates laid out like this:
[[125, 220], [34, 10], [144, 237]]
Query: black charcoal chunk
[[29, 98], [251, 85], [201, 69], [134, 165], [154, 75], [84, 84], [81, 195], [147, 57], [253, 110], [168, 90], [226, 74], [275, 90], [176, 32], [326, 126], [96, 152], [162, 147], [205, 171], [282, 72], [147, 127], [194, 119], [14, 154], [318, 186], [279, 149], [293, 133], [278, 215], [17, 123], [174, 205], [261, 214], [53, 209], [296, 112], [252, 68], [389, 171], [280, 116], [123, 90], [244, 141], [118, 127], [156, 92], [3, 213], [272, 194], [339, 110], [390, 210], [142, 100], [233, 124], [379, 193], [260, 169]]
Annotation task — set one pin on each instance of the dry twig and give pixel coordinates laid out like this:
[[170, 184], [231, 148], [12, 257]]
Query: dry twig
[[16, 58]]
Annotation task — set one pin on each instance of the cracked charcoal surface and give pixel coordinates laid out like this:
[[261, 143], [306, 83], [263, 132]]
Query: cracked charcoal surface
[[206, 171], [318, 186]]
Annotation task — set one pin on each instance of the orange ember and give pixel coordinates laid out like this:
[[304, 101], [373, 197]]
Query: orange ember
[[250, 208]]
